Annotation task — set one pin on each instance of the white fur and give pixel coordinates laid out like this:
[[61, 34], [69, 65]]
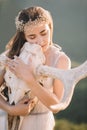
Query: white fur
[[19, 87]]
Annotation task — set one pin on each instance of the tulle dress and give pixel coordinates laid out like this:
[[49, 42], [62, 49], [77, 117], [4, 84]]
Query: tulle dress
[[41, 118]]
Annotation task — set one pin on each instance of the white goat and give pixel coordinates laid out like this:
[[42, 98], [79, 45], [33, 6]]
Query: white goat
[[18, 87]]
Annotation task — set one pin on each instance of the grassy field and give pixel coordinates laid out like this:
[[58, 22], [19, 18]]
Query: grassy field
[[67, 125]]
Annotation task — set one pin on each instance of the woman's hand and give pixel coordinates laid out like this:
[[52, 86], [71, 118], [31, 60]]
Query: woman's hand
[[22, 70], [22, 108]]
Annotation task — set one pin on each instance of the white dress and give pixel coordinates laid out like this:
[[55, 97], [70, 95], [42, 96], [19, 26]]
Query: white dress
[[41, 118]]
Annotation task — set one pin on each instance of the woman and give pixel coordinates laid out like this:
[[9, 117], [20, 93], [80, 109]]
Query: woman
[[35, 25]]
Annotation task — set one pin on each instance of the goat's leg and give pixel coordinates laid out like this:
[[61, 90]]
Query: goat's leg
[[69, 78]]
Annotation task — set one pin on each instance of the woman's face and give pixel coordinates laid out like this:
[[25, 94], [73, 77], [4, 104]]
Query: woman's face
[[38, 34]]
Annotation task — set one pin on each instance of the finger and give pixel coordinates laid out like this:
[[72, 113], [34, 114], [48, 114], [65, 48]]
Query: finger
[[12, 68], [24, 99], [12, 60], [17, 59], [12, 64]]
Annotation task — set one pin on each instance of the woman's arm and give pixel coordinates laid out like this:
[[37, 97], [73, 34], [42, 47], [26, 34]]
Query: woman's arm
[[45, 96], [25, 72]]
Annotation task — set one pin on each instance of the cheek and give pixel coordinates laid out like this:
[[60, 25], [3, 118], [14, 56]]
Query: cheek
[[30, 41], [47, 38]]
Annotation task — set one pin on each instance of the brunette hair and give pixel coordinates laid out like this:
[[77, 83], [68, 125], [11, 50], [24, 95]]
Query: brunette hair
[[25, 16]]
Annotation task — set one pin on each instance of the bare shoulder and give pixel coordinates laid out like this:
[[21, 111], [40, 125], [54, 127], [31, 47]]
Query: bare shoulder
[[64, 61], [55, 48]]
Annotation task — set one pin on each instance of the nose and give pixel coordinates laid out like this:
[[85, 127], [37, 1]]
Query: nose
[[39, 41]]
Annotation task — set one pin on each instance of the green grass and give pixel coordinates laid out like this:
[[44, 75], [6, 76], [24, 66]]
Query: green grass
[[67, 125]]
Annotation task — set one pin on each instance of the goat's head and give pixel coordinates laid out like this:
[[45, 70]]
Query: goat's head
[[19, 88], [34, 51]]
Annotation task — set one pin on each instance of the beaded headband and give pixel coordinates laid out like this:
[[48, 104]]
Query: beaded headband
[[20, 24]]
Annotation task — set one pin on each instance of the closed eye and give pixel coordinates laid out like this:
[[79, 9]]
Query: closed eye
[[44, 32], [31, 36]]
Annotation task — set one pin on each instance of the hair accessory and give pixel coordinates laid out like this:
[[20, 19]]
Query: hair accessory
[[20, 24]]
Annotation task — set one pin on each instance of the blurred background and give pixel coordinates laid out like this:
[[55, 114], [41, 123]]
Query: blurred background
[[70, 32]]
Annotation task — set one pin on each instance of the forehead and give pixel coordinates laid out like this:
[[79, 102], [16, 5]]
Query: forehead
[[35, 28]]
